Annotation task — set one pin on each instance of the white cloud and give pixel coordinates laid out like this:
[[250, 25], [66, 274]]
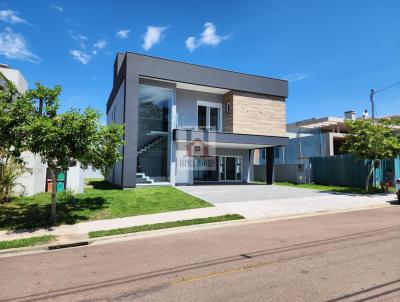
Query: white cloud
[[10, 16], [81, 39], [191, 43], [294, 77], [208, 37], [123, 33], [57, 7], [100, 44], [80, 56], [13, 46], [153, 36]]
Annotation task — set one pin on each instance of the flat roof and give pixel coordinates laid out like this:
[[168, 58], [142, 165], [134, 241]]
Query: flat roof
[[204, 66], [316, 123], [133, 65]]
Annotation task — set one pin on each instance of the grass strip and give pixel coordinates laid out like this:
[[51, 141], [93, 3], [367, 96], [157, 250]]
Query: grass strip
[[164, 225], [337, 189], [31, 241]]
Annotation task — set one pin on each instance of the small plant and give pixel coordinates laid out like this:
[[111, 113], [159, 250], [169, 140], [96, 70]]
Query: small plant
[[67, 196], [10, 170]]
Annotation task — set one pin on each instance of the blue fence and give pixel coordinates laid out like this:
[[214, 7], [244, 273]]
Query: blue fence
[[346, 170]]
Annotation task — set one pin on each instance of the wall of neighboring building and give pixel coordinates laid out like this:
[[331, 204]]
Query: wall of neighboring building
[[255, 114], [34, 181], [311, 146], [186, 106], [16, 77], [75, 179], [116, 115], [91, 173]]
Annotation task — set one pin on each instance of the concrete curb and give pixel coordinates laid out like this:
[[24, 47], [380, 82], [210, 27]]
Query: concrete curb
[[170, 231]]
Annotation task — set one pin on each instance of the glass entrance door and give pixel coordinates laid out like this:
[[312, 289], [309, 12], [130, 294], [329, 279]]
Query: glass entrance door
[[230, 168]]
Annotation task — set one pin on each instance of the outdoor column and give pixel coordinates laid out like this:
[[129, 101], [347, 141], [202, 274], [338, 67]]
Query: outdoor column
[[250, 170], [131, 127], [269, 156]]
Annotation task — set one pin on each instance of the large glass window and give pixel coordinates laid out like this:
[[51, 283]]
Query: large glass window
[[229, 168], [153, 126], [208, 116]]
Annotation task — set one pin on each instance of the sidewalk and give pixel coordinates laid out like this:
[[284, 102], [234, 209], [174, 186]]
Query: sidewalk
[[81, 230]]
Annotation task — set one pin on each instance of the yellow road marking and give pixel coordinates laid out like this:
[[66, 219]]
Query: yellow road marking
[[222, 273]]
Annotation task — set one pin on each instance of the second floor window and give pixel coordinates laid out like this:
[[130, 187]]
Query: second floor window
[[208, 118]]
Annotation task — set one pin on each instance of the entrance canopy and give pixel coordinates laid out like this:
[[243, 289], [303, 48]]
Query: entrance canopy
[[229, 140]]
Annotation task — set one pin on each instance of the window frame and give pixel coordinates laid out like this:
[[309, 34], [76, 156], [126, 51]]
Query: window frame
[[209, 105]]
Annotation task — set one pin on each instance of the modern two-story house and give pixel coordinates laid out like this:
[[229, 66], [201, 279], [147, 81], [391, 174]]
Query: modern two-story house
[[188, 124]]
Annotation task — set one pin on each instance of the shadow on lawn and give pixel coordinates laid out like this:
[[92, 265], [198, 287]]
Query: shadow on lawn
[[102, 185], [31, 216]]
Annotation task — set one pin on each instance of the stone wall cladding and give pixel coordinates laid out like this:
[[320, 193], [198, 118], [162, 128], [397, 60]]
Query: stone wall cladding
[[255, 114]]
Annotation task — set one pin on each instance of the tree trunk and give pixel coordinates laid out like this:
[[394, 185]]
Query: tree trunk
[[371, 169], [53, 215]]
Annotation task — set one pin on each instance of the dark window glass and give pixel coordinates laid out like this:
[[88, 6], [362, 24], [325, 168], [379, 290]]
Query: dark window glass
[[214, 119], [202, 117], [277, 152], [230, 168], [206, 174], [238, 168]]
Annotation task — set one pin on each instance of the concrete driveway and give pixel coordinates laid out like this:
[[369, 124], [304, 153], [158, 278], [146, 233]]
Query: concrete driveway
[[262, 201]]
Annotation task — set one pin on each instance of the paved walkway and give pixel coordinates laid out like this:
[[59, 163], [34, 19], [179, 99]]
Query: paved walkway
[[261, 201], [251, 201]]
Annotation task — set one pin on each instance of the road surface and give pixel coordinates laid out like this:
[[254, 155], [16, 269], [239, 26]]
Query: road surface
[[352, 256]]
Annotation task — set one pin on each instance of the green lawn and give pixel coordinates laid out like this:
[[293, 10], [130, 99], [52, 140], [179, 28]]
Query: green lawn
[[164, 225], [99, 201], [338, 189], [31, 241]]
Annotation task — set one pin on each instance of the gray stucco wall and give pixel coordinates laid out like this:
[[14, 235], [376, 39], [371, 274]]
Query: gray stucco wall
[[117, 111], [186, 105]]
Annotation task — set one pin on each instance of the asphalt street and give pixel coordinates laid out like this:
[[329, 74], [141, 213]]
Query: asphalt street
[[353, 256]]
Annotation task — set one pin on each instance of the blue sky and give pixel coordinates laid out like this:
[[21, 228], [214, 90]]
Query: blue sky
[[332, 52]]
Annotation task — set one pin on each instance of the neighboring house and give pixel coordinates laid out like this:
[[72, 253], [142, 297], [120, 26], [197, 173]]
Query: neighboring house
[[38, 179], [308, 138], [187, 123], [14, 76], [314, 137]]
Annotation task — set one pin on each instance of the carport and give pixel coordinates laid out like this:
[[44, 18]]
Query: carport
[[227, 149]]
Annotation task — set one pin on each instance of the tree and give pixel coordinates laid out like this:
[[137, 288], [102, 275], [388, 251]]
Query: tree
[[371, 140], [15, 110], [66, 139]]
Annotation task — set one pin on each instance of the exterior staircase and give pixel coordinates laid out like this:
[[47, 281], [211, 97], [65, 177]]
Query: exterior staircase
[[150, 145], [141, 177]]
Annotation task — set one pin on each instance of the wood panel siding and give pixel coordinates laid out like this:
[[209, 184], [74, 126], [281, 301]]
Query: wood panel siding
[[255, 114]]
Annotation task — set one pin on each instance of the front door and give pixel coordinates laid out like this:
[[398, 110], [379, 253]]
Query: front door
[[230, 168]]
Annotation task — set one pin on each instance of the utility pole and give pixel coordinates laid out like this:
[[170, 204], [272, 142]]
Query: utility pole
[[373, 92], [371, 98]]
